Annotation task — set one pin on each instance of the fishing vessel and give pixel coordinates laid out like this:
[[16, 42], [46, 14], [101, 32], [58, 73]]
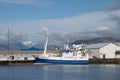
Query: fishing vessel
[[66, 56]]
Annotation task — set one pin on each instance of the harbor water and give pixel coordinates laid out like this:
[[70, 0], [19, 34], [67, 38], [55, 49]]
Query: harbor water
[[60, 72]]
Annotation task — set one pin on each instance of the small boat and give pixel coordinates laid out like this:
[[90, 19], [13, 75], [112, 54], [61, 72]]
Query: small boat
[[66, 56]]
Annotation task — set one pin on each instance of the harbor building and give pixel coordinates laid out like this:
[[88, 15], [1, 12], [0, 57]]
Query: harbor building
[[103, 50]]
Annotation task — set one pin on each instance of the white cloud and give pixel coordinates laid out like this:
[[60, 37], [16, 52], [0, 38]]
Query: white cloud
[[76, 23], [3, 38], [28, 43], [45, 30], [29, 2], [17, 1], [90, 25], [103, 28]]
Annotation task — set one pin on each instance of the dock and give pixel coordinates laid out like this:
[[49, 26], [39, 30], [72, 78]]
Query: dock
[[16, 62], [31, 62], [104, 61]]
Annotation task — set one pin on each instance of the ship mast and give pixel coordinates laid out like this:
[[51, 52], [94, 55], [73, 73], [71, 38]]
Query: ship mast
[[45, 48]]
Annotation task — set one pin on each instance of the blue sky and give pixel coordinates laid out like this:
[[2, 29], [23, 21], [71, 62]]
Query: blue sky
[[74, 18], [56, 15], [48, 9]]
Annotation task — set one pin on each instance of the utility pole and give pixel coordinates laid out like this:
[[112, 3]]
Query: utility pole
[[9, 53], [8, 42]]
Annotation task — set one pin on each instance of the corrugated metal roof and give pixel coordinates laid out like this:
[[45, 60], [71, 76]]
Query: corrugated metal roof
[[96, 46]]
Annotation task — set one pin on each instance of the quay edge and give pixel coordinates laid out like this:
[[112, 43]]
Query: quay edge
[[31, 62], [16, 62]]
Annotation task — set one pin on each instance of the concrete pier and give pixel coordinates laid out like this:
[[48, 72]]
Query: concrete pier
[[31, 62], [16, 62], [104, 61]]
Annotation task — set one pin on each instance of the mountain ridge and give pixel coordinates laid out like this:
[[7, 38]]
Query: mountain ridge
[[96, 40], [19, 46]]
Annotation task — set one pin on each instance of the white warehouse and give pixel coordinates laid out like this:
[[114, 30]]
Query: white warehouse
[[103, 50]]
